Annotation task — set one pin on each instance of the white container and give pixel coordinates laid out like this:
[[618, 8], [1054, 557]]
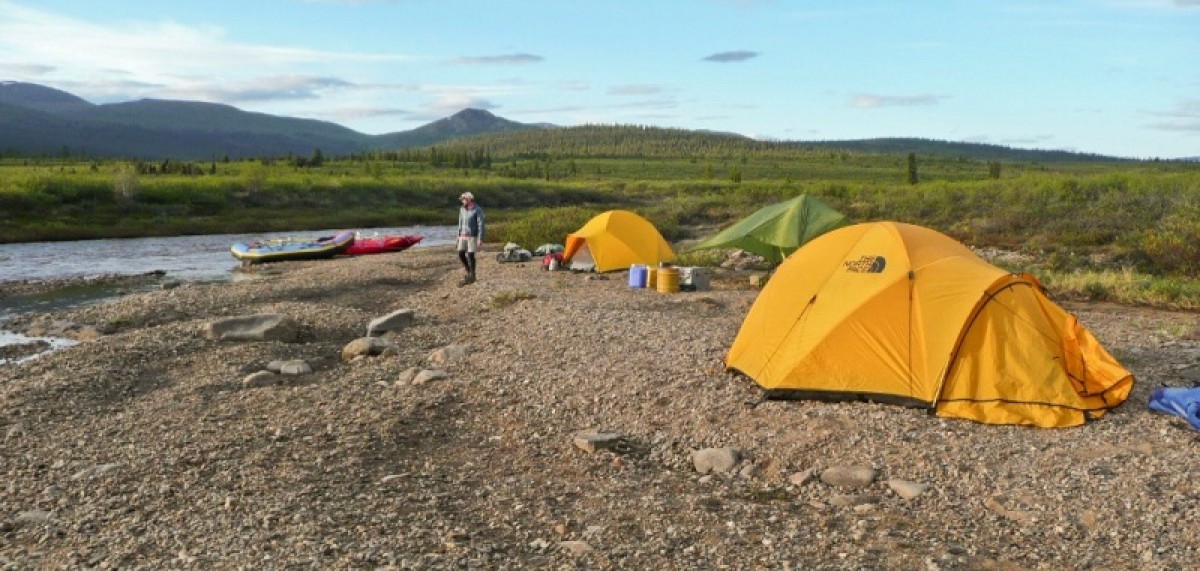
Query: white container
[[694, 279]]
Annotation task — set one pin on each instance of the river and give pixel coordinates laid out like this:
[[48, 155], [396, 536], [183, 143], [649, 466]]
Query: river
[[186, 258], [203, 258]]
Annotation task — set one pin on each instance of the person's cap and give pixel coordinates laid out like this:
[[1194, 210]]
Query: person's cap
[[466, 196]]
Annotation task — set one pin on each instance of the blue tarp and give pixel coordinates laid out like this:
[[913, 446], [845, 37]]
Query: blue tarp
[[1184, 403]]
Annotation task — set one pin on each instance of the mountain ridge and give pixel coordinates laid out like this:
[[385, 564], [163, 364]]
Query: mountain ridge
[[39, 120], [36, 120]]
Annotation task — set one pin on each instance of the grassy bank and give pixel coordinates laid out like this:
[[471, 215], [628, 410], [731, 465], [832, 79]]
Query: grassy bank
[[1124, 231]]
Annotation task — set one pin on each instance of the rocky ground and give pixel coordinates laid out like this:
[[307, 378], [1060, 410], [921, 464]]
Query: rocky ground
[[557, 426]]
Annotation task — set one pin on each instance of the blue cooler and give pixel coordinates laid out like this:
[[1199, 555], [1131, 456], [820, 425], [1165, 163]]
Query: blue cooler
[[637, 275]]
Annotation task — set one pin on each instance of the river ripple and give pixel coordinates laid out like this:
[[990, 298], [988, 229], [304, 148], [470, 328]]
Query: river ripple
[[203, 257], [181, 258]]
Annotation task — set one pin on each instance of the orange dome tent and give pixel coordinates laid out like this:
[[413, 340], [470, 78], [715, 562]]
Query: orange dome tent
[[895, 312], [615, 240]]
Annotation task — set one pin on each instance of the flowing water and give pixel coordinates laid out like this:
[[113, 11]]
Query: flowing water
[[179, 258]]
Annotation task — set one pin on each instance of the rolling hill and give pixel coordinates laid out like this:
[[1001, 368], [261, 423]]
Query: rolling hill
[[36, 120]]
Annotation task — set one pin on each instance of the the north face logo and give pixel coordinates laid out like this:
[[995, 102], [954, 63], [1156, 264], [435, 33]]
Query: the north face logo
[[866, 265]]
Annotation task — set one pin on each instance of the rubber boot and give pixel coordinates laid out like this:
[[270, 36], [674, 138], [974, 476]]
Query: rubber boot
[[470, 279]]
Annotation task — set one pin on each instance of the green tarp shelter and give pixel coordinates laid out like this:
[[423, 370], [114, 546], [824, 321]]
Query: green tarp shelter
[[776, 231]]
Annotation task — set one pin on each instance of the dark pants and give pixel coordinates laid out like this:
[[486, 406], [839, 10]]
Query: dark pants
[[468, 261]]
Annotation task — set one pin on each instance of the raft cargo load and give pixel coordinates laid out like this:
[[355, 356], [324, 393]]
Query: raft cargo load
[[283, 249]]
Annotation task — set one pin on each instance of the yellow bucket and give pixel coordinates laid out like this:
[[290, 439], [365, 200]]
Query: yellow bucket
[[651, 277], [668, 280]]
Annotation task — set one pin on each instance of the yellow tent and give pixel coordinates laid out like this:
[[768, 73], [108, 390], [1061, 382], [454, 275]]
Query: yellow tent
[[894, 312], [615, 240]]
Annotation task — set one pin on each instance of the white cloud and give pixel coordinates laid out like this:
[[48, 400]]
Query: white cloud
[[351, 113], [350, 2], [166, 56], [728, 57], [25, 69], [574, 86], [646, 104], [639, 89], [1184, 117], [873, 101], [506, 59], [1030, 141], [1177, 124], [268, 88], [451, 103], [1187, 108], [1156, 4]]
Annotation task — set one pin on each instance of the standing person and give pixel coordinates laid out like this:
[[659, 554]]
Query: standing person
[[470, 234]]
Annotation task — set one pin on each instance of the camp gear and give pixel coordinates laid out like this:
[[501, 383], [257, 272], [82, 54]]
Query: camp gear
[[895, 312], [551, 261], [514, 253], [364, 245], [518, 255], [1184, 403], [776, 231], [615, 240], [547, 249], [278, 250], [668, 280], [637, 276], [693, 279]]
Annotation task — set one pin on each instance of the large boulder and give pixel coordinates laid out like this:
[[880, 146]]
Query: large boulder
[[452, 353], [716, 460], [259, 327], [395, 321], [365, 347], [849, 477]]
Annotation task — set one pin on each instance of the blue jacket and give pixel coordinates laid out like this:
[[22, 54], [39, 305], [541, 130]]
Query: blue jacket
[[470, 222]]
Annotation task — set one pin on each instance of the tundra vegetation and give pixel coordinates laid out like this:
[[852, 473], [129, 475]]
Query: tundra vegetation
[[1089, 227]]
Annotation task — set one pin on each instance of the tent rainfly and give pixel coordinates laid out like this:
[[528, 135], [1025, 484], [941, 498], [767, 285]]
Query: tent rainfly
[[894, 312], [615, 240], [775, 231]]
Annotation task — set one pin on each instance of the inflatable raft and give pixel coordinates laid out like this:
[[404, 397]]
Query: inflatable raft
[[292, 248], [364, 245]]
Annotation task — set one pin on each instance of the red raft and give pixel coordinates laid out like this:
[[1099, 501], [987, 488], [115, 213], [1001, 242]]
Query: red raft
[[364, 245]]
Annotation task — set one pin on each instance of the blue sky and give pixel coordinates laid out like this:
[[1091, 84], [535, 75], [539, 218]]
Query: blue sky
[[1117, 77]]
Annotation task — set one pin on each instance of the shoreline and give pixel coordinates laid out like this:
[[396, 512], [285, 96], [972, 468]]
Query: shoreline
[[146, 446], [30, 287]]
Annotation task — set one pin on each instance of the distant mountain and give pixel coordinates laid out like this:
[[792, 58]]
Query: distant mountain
[[40, 98], [39, 120], [633, 141], [977, 151], [465, 123]]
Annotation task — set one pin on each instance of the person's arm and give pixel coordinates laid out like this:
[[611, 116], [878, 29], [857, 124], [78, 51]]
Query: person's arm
[[480, 212]]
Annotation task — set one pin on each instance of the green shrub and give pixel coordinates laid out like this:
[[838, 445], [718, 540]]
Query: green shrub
[[13, 200], [545, 225], [667, 226], [1166, 292], [1096, 291], [1174, 246], [709, 258]]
